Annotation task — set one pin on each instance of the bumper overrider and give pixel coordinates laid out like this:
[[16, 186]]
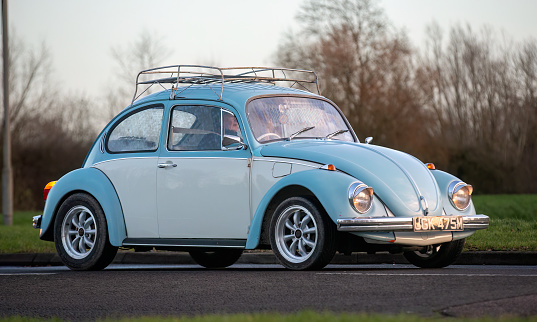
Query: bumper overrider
[[36, 221], [407, 224]]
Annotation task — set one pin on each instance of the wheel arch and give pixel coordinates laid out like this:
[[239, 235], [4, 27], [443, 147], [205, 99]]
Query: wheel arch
[[94, 183], [327, 189], [283, 194]]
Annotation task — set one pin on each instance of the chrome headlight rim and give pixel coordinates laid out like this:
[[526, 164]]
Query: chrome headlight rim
[[455, 187], [354, 190]]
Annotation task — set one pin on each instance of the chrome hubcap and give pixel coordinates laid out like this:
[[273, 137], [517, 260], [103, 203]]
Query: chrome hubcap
[[296, 234], [79, 232]]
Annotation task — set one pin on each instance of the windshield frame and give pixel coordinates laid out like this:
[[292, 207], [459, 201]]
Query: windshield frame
[[319, 98]]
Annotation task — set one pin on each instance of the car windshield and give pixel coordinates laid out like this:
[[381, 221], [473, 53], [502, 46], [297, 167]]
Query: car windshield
[[289, 118]]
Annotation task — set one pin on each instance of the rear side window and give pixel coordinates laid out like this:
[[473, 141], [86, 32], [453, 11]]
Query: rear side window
[[138, 132]]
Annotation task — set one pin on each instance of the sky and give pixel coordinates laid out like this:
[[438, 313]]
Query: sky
[[80, 34]]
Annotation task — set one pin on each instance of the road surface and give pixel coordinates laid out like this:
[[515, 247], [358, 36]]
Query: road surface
[[175, 290]]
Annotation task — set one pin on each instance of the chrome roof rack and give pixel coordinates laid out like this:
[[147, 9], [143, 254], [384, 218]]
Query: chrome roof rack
[[181, 77]]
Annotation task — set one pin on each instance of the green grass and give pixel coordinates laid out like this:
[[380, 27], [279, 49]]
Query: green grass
[[303, 316], [523, 207], [505, 234], [513, 226], [22, 237], [513, 223]]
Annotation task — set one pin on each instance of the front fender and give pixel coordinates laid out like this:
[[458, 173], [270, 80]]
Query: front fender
[[329, 187], [95, 183], [444, 179]]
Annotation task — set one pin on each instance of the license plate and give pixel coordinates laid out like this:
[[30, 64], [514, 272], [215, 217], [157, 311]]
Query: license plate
[[443, 223]]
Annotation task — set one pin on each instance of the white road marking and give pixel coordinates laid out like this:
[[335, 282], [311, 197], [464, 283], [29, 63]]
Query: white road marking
[[427, 274], [21, 274]]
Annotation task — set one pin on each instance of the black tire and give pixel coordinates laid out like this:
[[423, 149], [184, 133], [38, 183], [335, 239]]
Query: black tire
[[217, 258], [436, 256], [302, 236], [81, 234]]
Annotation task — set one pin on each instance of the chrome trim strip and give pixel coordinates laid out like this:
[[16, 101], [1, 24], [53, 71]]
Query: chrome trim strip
[[200, 157], [285, 161], [164, 157], [127, 158], [185, 242], [101, 147], [371, 224]]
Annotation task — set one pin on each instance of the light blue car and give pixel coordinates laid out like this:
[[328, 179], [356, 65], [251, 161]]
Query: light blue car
[[222, 160]]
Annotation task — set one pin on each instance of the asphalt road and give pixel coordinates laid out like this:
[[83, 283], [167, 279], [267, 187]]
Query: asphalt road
[[173, 290]]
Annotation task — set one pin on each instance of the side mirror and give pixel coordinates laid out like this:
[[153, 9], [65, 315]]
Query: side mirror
[[368, 139], [232, 142]]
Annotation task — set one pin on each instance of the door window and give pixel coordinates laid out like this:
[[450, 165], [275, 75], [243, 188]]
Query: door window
[[201, 128]]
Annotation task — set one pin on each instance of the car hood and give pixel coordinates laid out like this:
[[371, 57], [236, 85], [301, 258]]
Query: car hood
[[398, 179]]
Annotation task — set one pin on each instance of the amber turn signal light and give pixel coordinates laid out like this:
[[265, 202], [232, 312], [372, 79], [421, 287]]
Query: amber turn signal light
[[47, 188], [430, 166]]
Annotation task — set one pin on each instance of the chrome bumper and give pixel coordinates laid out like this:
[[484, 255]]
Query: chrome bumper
[[36, 221], [401, 223]]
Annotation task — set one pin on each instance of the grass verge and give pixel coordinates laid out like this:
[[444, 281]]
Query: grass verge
[[22, 237], [513, 223], [513, 226]]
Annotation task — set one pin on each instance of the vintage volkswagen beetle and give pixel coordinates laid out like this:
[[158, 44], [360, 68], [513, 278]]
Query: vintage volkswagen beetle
[[225, 160]]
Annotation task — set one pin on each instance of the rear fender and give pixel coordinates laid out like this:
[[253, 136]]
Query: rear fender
[[95, 183]]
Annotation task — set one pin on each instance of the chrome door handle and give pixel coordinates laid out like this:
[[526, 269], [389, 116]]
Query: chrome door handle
[[167, 165]]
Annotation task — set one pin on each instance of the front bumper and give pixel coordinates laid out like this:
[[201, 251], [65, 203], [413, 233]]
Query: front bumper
[[401, 223], [36, 221]]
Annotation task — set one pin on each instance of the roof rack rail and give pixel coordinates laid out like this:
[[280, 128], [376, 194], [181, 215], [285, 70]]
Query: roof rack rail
[[188, 75]]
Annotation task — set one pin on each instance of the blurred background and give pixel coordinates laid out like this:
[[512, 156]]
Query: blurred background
[[451, 82]]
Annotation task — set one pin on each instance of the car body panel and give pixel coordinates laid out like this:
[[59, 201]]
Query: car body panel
[[94, 182], [334, 201], [191, 196], [399, 179], [135, 182]]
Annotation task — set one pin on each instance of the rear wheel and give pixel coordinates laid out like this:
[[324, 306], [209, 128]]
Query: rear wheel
[[301, 235], [217, 258], [81, 234], [436, 256]]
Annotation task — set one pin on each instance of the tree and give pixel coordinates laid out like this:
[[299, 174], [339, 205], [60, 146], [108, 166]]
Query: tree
[[51, 132], [147, 51], [366, 67], [482, 94]]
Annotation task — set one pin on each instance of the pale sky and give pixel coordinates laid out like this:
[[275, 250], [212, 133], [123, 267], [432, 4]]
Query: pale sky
[[80, 34]]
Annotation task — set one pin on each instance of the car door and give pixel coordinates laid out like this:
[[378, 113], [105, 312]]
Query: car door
[[132, 144], [203, 188]]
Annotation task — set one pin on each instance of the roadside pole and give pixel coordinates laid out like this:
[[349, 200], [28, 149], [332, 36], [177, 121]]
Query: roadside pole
[[7, 174]]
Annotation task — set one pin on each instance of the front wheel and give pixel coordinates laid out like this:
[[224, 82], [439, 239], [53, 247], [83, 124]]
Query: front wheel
[[217, 258], [301, 235], [81, 234], [436, 256]]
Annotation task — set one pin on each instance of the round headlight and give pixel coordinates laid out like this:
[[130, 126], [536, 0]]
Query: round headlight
[[460, 194], [361, 197]]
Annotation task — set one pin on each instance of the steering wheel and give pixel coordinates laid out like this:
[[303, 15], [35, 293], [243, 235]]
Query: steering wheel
[[263, 136]]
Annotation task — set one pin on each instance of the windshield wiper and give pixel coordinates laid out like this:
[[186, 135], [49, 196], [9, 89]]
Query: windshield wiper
[[300, 132], [338, 132]]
